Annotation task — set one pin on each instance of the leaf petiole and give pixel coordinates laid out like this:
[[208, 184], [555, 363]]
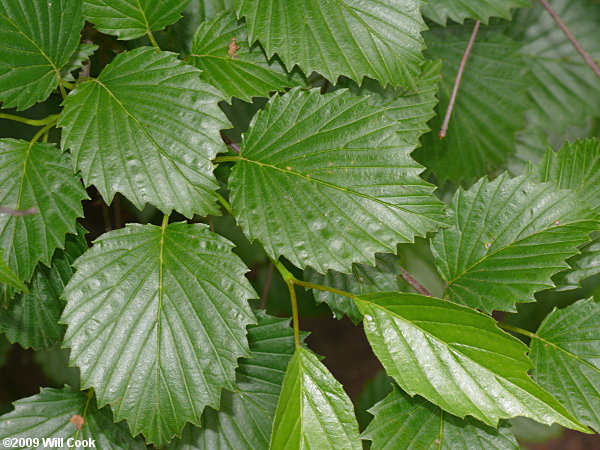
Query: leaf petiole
[[32, 122], [518, 330]]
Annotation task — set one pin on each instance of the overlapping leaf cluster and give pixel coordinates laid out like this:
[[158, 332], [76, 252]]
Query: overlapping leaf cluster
[[158, 318]]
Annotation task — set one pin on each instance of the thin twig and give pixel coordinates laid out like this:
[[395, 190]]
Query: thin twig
[[265, 292], [17, 212], [563, 26], [461, 68], [414, 283], [235, 147]]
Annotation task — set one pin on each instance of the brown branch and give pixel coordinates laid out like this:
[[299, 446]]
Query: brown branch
[[414, 283], [461, 68], [17, 212], [235, 147], [563, 26], [265, 292]]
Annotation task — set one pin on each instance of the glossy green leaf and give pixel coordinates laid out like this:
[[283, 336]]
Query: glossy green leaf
[[508, 237], [220, 49], [318, 172], [456, 358], [402, 421], [56, 413], [576, 166], [458, 10], [313, 409], [566, 357], [8, 277], [156, 322], [411, 109], [31, 319], [35, 176], [364, 279], [130, 19], [156, 135], [81, 55], [489, 109], [355, 38], [38, 38], [245, 416]]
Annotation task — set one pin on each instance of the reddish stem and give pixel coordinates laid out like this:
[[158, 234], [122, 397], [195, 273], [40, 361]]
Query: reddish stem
[[414, 283]]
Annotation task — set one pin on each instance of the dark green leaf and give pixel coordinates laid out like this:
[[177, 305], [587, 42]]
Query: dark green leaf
[[313, 409], [374, 391], [456, 358], [220, 49], [317, 174], [38, 38], [508, 238], [35, 176], [458, 10], [402, 421], [566, 356], [130, 19], [355, 38], [156, 322], [156, 135], [83, 53], [66, 413], [8, 277]]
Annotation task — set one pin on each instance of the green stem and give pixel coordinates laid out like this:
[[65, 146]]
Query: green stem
[[517, 330], [221, 159], [152, 40], [225, 203], [295, 318], [63, 92], [319, 287], [43, 131], [165, 221], [32, 122], [69, 86]]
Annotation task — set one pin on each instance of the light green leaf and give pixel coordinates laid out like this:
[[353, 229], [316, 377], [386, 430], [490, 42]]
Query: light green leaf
[[55, 413], [313, 409], [316, 175], [402, 421], [83, 53], [458, 10], [156, 322], [130, 19], [355, 38], [220, 49], [156, 136], [364, 279], [38, 38], [8, 277], [35, 177], [508, 238], [411, 109], [31, 319], [566, 357], [456, 358], [245, 416], [576, 166], [489, 108]]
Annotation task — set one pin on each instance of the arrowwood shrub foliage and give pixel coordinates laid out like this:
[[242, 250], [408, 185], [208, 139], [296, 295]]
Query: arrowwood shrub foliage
[[430, 171]]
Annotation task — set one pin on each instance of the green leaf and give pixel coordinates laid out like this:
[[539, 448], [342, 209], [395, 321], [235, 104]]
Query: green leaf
[[576, 166], [441, 10], [374, 391], [245, 416], [54, 413], [508, 238], [130, 19], [35, 176], [156, 322], [364, 279], [313, 409], [566, 357], [489, 108], [402, 421], [239, 71], [210, 8], [8, 277], [456, 358], [411, 109], [38, 38], [355, 38], [156, 136], [31, 319], [54, 364], [316, 175], [83, 53]]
